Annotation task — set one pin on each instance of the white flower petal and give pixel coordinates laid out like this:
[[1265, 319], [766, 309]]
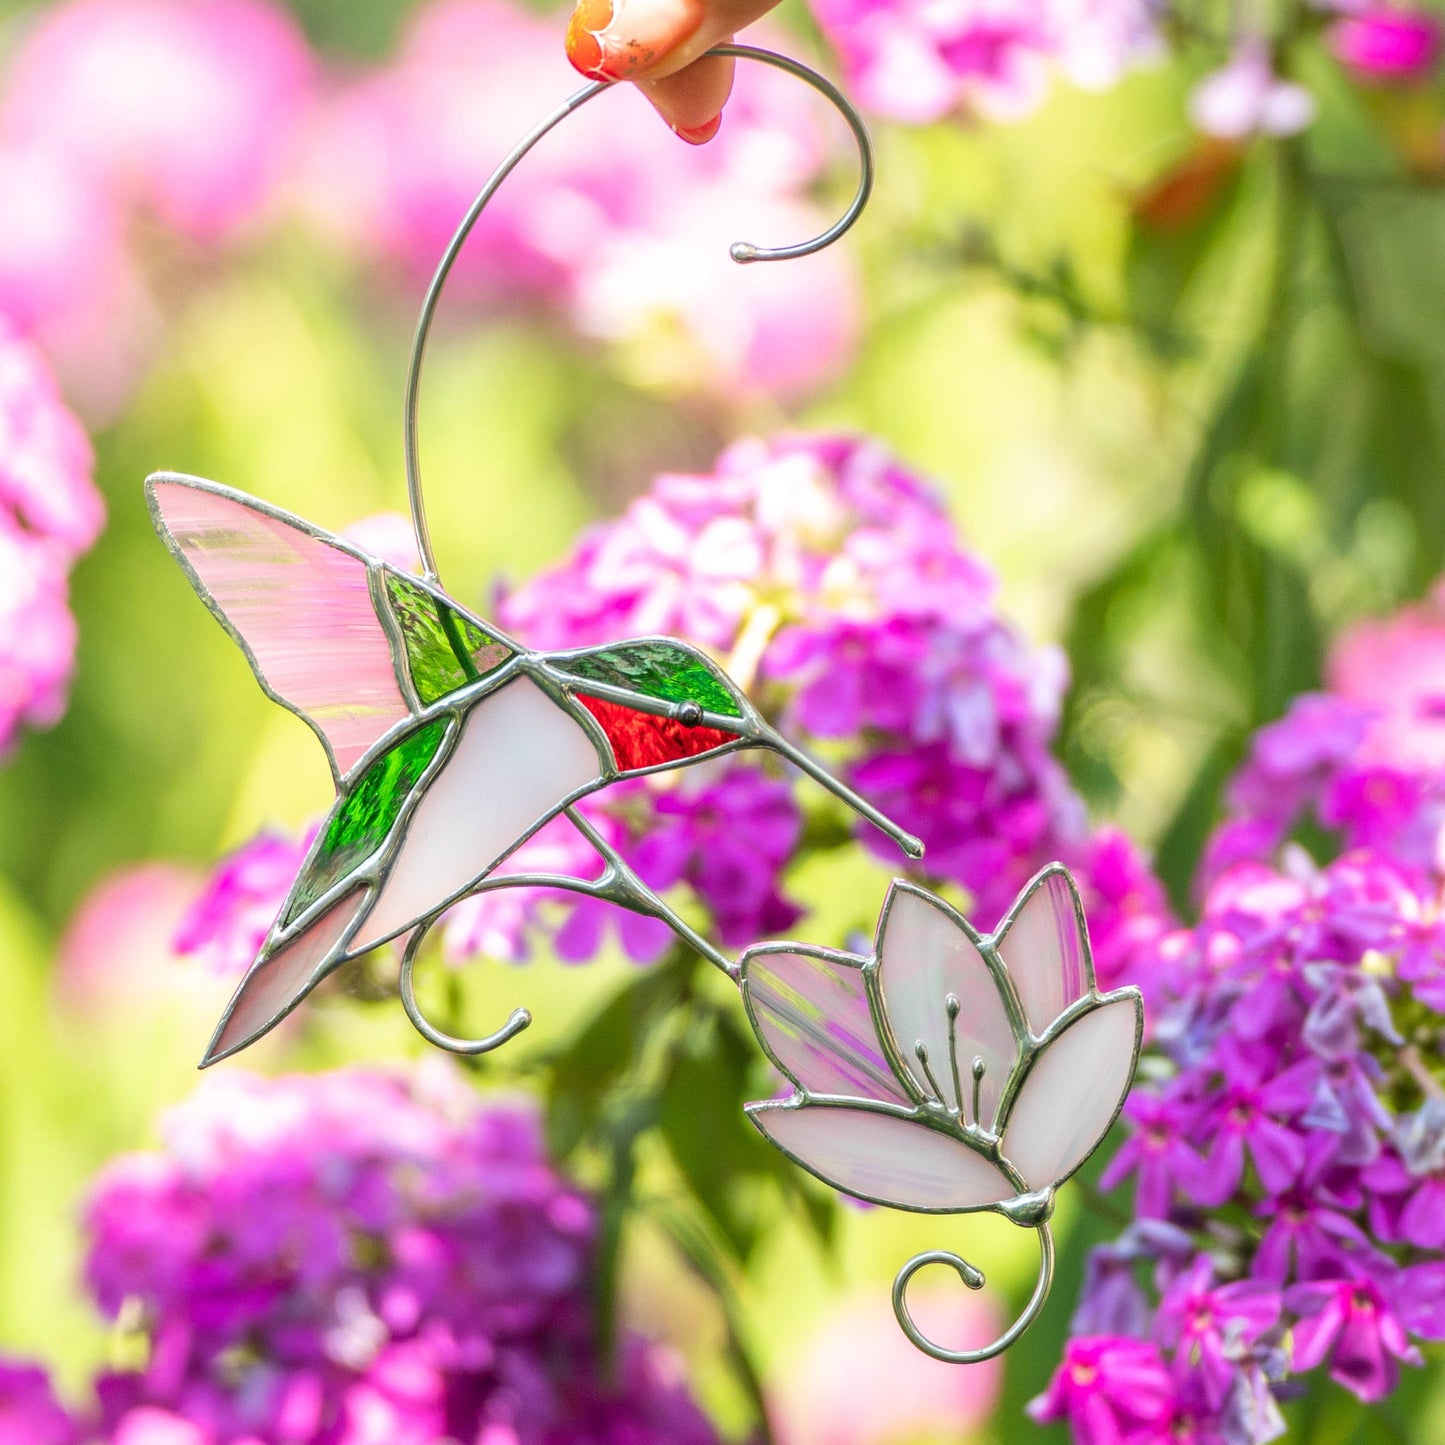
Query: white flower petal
[[924, 957], [810, 1009], [883, 1157], [1073, 1092], [1045, 950]]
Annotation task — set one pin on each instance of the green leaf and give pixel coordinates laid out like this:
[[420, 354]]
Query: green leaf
[[721, 1157], [607, 1049]]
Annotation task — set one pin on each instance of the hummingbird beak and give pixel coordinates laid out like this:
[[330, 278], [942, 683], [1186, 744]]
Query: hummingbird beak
[[912, 846]]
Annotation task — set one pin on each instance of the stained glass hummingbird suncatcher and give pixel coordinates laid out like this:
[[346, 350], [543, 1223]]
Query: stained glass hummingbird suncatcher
[[947, 1072], [450, 743]]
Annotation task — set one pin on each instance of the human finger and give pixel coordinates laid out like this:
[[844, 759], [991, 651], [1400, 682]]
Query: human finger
[[691, 100]]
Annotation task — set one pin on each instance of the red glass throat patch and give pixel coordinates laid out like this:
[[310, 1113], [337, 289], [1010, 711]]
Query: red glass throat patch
[[644, 740]]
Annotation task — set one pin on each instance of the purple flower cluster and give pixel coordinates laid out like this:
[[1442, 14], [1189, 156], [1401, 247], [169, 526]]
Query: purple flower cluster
[[351, 1258], [1364, 759], [829, 579], [50, 514], [1287, 1149]]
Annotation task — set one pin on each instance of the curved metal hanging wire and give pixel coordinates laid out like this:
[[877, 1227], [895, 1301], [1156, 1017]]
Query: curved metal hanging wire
[[743, 252], [972, 1276]]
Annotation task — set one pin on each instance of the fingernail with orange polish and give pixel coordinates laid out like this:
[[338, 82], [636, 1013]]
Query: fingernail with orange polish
[[584, 30], [698, 134], [606, 45]]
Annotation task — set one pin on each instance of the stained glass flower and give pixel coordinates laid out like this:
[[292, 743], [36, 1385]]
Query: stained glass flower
[[944, 1073]]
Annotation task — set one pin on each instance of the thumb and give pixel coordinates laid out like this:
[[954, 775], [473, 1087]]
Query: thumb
[[658, 43], [690, 100]]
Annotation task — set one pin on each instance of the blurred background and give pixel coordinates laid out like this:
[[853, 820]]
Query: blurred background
[[1152, 297]]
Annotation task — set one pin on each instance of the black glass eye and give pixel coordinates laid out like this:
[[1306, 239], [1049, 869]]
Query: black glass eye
[[690, 714]]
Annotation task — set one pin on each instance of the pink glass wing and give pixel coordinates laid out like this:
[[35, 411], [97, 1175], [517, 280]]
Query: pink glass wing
[[300, 606], [279, 980], [811, 1011], [1046, 951], [520, 756], [882, 1157], [924, 957], [1072, 1093]]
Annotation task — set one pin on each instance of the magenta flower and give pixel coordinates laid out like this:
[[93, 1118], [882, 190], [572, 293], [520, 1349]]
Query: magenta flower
[[1351, 1324], [1252, 1113], [1382, 44], [1156, 1152], [1208, 1325], [1110, 1389], [30, 1414], [915, 62]]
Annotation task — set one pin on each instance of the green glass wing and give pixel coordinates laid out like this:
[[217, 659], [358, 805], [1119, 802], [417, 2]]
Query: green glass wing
[[364, 816], [445, 649], [657, 668]]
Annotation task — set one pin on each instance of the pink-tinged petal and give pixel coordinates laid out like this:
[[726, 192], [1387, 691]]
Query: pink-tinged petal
[[1211, 1178], [1361, 1361], [519, 758], [1046, 950], [1313, 1335], [1294, 1090], [1072, 1093], [811, 1012], [925, 957], [300, 606], [1420, 1299], [278, 981], [1422, 1221], [1279, 1154], [883, 1157]]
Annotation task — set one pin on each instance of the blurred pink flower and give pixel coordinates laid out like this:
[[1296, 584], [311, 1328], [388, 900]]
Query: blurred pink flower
[[225, 926], [149, 1425], [1395, 666], [184, 107], [1384, 44], [387, 535], [919, 60], [118, 948], [37, 634], [1247, 97], [50, 513], [606, 222], [760, 330], [860, 1382], [30, 1413], [62, 258]]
